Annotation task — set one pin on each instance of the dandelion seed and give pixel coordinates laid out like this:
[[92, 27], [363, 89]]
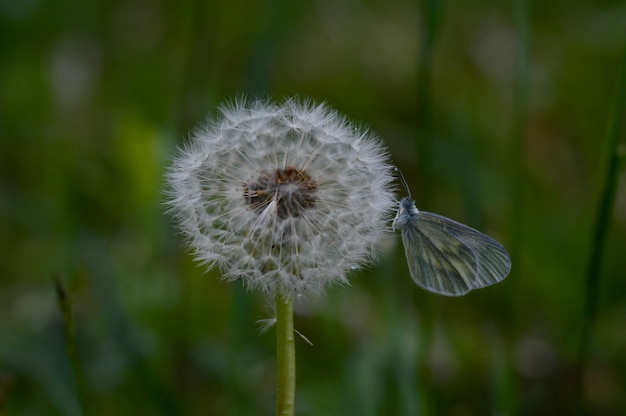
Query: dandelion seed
[[265, 324], [288, 197]]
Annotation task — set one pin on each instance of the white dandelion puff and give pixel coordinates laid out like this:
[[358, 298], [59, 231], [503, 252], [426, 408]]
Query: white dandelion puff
[[288, 197]]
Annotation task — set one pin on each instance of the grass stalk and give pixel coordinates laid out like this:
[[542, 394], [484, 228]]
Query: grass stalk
[[432, 11], [70, 338], [603, 218], [520, 107]]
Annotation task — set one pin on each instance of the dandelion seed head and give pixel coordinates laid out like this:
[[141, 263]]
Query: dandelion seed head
[[288, 197]]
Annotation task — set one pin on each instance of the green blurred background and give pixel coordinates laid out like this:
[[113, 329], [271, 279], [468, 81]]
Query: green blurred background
[[498, 114]]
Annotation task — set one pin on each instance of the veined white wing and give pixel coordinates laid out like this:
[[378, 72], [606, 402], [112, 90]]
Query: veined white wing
[[447, 257]]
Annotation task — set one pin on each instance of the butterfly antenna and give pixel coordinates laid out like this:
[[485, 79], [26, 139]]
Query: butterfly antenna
[[399, 175]]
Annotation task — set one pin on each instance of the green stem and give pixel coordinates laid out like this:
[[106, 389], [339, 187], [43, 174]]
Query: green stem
[[285, 357]]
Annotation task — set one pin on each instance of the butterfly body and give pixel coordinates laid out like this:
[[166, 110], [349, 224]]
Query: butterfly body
[[407, 213], [445, 256]]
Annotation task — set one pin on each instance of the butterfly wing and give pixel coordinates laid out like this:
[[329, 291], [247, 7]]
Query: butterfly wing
[[449, 258]]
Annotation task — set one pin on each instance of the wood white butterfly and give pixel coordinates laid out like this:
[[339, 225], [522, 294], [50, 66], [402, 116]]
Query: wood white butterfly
[[445, 256]]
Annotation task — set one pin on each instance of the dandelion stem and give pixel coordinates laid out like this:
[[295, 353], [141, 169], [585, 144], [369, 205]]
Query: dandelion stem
[[285, 357]]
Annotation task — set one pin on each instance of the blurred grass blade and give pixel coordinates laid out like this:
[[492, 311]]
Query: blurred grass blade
[[520, 105], [605, 209], [432, 11], [70, 339]]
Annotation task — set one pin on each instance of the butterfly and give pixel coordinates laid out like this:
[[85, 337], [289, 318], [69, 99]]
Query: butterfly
[[445, 256]]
